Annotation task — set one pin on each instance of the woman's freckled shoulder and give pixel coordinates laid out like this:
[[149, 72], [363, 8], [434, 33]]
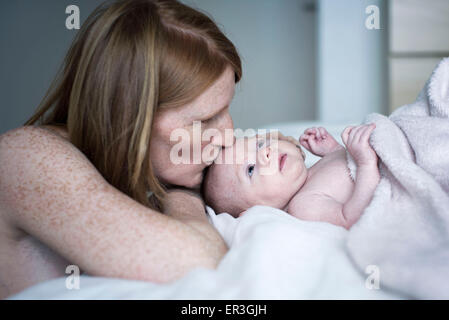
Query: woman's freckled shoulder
[[31, 136], [30, 144]]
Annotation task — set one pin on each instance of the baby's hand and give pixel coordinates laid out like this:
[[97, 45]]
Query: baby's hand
[[356, 140], [318, 141]]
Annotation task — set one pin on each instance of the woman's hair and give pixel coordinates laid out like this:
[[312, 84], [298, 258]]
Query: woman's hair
[[131, 58]]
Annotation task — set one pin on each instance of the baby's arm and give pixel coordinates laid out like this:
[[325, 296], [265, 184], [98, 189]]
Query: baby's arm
[[321, 207], [317, 207], [319, 142], [356, 140]]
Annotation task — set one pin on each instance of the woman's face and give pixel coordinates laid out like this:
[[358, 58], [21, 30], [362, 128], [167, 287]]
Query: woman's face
[[211, 108]]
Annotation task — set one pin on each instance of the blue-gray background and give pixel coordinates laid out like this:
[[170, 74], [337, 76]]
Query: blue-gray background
[[282, 43]]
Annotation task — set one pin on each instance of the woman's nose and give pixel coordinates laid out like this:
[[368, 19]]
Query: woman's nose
[[225, 127], [223, 141], [217, 143], [211, 154]]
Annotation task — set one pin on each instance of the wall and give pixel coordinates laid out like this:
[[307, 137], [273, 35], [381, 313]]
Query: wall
[[276, 39], [352, 60], [418, 41], [33, 40]]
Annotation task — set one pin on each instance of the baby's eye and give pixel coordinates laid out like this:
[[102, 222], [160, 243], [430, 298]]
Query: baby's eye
[[250, 170], [260, 143]]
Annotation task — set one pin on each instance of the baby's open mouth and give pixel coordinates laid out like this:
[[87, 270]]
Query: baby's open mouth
[[282, 159]]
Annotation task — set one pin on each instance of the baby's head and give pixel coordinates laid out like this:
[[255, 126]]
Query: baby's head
[[254, 172]]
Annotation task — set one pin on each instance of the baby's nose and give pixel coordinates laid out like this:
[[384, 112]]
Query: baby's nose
[[264, 155]]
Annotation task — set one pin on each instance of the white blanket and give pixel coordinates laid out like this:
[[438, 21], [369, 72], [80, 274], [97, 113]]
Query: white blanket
[[405, 229], [272, 256]]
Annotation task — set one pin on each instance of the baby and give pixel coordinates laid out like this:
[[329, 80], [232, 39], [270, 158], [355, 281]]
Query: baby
[[274, 174]]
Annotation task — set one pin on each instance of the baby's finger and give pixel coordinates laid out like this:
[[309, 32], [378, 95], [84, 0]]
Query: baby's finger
[[345, 134], [367, 132], [313, 131], [304, 141], [355, 134], [310, 130], [323, 132], [312, 142], [304, 137], [359, 133]]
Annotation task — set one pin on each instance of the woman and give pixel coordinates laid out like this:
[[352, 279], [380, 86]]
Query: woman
[[87, 183]]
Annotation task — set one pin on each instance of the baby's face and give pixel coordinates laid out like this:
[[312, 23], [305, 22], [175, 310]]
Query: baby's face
[[260, 172]]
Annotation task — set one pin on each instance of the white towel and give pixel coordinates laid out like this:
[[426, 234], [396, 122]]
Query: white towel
[[405, 229]]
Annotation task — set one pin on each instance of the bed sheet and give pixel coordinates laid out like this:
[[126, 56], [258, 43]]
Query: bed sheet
[[272, 255]]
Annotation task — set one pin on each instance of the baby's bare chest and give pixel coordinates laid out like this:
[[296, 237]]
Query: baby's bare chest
[[330, 175]]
